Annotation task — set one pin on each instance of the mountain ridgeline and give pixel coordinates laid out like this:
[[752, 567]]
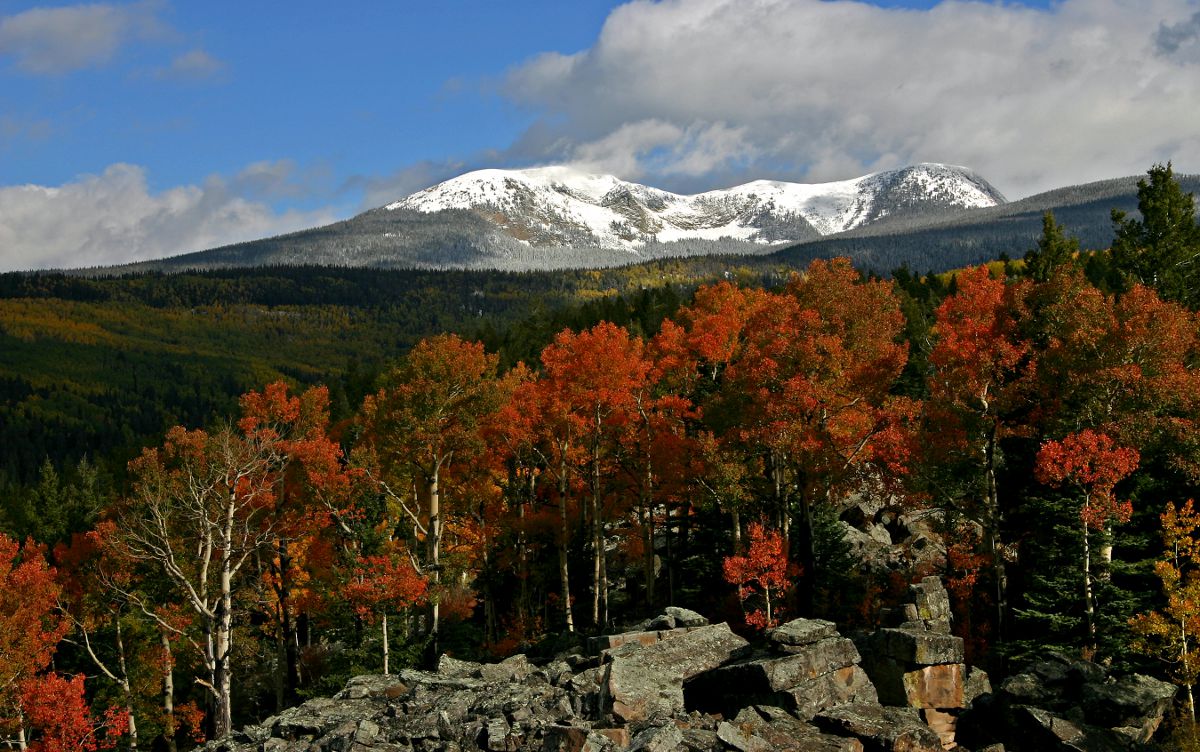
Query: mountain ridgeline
[[927, 217]]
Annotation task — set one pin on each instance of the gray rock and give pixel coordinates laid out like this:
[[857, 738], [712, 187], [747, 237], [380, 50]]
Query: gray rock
[[741, 740], [977, 684], [879, 727], [573, 739], [701, 740], [778, 673], [915, 647], [1136, 703], [657, 739], [366, 732], [498, 739], [643, 680], [452, 667], [685, 617], [514, 668], [802, 632], [846, 685]]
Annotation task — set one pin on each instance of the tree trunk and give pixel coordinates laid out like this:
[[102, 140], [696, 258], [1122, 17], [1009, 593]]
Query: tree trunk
[[125, 689], [435, 553], [736, 524], [993, 525], [1089, 597], [287, 626], [648, 533], [563, 560], [385, 645], [168, 692], [223, 684], [806, 592]]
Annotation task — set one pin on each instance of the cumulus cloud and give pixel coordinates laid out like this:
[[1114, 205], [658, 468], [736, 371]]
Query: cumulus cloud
[[114, 218], [814, 90], [60, 40]]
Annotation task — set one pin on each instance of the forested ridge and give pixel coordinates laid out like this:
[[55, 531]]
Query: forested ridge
[[562, 470]]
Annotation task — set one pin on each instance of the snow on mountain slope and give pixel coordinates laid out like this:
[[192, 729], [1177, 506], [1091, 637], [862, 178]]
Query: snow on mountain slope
[[561, 206]]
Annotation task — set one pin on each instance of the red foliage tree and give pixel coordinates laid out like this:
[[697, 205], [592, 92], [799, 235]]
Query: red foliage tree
[[979, 364], [30, 627], [593, 378], [1092, 463], [428, 416], [385, 583], [59, 719], [760, 574], [812, 384]]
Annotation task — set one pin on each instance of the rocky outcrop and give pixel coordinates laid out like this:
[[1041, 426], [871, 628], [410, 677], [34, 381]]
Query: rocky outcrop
[[678, 684], [645, 681], [809, 668], [1064, 704], [918, 663]]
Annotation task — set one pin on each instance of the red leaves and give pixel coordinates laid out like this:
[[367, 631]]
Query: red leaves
[[56, 710], [30, 626], [384, 583], [761, 572], [1095, 463]]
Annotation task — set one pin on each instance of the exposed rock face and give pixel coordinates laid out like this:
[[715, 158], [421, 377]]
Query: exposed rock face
[[1060, 704], [642, 681], [809, 669], [697, 688], [919, 664]]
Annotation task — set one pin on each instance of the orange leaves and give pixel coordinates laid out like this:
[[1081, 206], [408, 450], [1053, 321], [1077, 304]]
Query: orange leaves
[[817, 366], [30, 626], [56, 709], [979, 352], [1095, 463], [762, 572], [384, 583]]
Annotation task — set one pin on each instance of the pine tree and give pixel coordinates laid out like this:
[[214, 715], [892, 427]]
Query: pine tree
[[1054, 250], [1161, 249]]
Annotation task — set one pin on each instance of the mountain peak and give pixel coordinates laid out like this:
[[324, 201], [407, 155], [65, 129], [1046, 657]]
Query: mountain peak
[[559, 205]]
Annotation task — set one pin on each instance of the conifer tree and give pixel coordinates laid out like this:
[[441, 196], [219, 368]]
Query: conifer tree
[[1054, 250], [1161, 249]]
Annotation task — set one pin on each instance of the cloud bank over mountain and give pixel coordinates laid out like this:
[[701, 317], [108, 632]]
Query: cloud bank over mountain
[[699, 90]]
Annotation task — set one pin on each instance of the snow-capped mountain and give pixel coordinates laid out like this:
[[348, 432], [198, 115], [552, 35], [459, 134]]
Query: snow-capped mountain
[[560, 206]]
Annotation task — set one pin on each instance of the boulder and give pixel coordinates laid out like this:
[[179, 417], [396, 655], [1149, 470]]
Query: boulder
[[845, 685], [1136, 704], [802, 632], [914, 647], [454, 668], [741, 739], [642, 681], [939, 686], [514, 668], [573, 739], [766, 675], [685, 617], [880, 728], [665, 738], [819, 675]]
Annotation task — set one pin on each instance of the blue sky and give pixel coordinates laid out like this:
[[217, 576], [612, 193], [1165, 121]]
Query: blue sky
[[198, 123]]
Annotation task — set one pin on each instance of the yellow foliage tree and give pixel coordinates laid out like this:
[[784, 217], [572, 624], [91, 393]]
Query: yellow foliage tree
[[1173, 635]]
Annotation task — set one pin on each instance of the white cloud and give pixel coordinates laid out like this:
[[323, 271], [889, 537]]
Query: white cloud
[[193, 65], [815, 90], [113, 217], [60, 40]]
